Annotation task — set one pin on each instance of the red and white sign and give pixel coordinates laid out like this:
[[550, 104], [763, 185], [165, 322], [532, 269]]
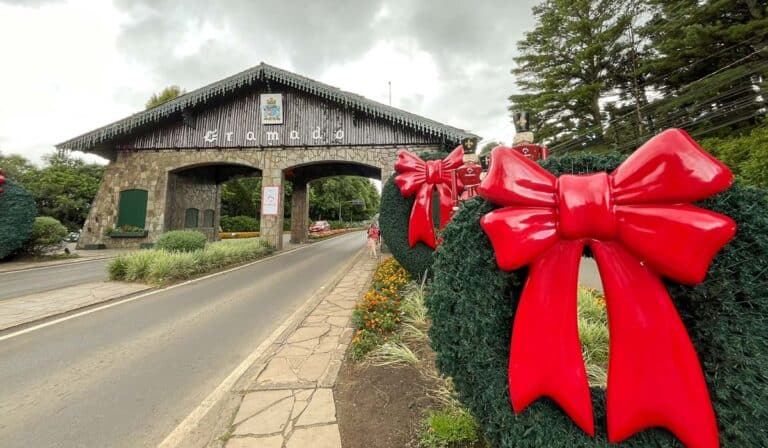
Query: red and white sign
[[270, 201]]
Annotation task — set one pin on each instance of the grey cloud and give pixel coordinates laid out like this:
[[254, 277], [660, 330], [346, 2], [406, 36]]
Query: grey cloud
[[313, 35], [30, 3]]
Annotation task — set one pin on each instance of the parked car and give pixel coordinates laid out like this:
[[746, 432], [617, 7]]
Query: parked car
[[72, 237], [320, 226]]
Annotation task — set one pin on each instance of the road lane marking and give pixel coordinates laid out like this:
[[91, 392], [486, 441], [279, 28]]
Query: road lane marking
[[154, 291], [71, 263], [191, 422]]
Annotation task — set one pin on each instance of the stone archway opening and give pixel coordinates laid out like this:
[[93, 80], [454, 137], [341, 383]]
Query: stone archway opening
[[302, 176], [194, 194]]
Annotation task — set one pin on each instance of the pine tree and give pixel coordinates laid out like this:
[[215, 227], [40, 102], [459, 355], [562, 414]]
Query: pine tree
[[568, 67], [709, 62]]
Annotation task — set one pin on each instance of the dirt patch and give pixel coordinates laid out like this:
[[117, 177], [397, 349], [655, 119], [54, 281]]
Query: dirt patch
[[382, 407]]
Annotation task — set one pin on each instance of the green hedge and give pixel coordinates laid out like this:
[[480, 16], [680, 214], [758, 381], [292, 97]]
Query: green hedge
[[181, 241], [17, 215], [47, 234], [472, 307], [239, 224], [393, 221]]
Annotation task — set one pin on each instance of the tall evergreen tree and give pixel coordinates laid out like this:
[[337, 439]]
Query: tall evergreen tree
[[709, 61], [568, 66]]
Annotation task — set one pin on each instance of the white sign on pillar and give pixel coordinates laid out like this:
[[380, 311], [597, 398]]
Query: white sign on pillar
[[270, 201]]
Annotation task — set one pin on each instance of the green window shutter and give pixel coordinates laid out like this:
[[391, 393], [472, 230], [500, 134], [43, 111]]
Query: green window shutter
[[132, 208], [191, 217], [208, 218]]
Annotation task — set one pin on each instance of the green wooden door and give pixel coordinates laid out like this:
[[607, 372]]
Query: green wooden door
[[132, 208]]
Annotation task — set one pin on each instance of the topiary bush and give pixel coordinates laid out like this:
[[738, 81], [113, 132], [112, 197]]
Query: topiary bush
[[17, 214], [239, 224], [47, 234], [181, 241], [472, 305], [394, 215]]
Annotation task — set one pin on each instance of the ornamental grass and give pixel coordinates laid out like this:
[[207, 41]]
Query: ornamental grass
[[160, 267]]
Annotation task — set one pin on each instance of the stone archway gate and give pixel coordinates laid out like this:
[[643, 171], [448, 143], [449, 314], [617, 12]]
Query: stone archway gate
[[168, 162]]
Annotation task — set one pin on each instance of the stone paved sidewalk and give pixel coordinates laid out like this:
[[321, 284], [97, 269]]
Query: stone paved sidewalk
[[290, 404], [25, 309]]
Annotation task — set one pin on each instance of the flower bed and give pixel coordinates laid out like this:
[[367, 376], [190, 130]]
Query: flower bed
[[159, 267], [377, 317], [327, 233], [236, 235]]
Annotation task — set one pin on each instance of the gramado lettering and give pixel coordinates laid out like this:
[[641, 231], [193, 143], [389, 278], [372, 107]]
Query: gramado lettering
[[271, 137]]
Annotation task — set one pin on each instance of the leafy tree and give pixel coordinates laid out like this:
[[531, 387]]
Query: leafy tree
[[165, 95], [16, 167], [568, 65], [65, 188], [350, 198]]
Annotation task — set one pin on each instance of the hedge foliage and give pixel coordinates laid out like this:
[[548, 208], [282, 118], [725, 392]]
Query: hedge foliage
[[47, 234], [472, 305], [393, 220], [747, 155], [239, 224], [17, 215], [181, 241]]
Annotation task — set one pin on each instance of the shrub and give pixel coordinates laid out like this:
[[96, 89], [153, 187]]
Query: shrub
[[472, 305], [393, 221], [181, 241], [747, 155], [17, 215], [47, 234], [239, 224]]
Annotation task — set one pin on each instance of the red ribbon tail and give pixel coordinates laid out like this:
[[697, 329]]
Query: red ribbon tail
[[654, 375], [421, 227], [545, 355]]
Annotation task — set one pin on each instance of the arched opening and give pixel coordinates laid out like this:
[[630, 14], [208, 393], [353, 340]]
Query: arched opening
[[334, 191], [194, 196]]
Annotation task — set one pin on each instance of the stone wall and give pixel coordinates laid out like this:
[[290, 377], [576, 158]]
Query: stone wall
[[152, 169], [196, 188]]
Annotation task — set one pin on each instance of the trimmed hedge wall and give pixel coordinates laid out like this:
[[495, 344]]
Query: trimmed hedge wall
[[17, 215], [394, 214], [472, 305], [181, 241]]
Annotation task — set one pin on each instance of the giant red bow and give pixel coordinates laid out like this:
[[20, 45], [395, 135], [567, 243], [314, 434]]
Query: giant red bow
[[422, 178], [639, 225]]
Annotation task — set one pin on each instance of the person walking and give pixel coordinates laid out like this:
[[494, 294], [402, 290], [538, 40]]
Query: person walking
[[374, 237]]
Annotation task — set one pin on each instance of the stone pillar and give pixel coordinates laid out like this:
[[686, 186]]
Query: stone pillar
[[271, 227], [299, 211]]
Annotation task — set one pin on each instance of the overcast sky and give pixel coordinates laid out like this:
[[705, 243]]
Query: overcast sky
[[69, 66]]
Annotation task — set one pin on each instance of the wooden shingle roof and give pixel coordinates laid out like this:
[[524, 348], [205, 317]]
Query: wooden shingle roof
[[262, 73]]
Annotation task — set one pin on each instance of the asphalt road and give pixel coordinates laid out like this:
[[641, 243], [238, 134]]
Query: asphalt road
[[127, 375], [31, 281]]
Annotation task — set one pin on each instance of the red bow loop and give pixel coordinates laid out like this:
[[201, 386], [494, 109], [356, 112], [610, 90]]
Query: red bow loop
[[422, 178], [670, 168], [640, 225]]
